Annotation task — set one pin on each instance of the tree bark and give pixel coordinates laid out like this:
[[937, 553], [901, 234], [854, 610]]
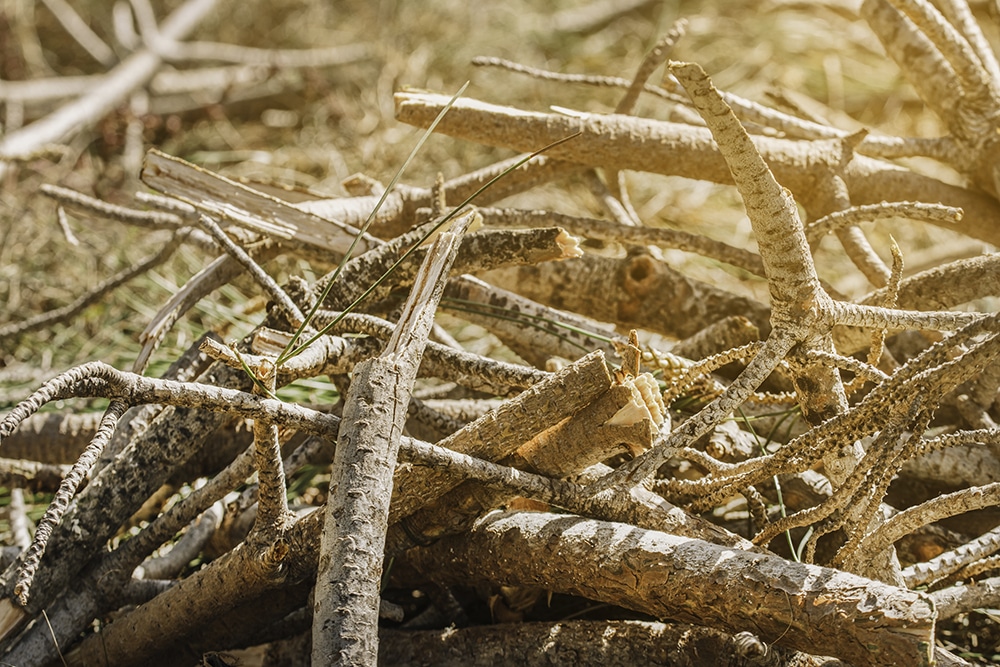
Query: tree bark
[[585, 643], [348, 578], [803, 607]]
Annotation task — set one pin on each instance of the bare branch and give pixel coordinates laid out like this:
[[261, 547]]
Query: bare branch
[[537, 548], [84, 112], [345, 617]]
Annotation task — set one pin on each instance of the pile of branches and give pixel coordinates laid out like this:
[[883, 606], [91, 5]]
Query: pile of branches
[[588, 469]]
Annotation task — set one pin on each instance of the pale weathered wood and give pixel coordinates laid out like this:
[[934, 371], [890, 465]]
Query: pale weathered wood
[[345, 612], [625, 142], [242, 205], [799, 606], [500, 432], [87, 110]]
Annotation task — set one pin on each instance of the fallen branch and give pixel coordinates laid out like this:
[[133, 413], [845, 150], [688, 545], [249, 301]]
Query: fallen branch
[[345, 616], [799, 606]]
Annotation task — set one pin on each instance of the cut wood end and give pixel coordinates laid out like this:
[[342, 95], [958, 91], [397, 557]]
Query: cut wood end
[[569, 245], [686, 72], [646, 403], [219, 351], [270, 342]]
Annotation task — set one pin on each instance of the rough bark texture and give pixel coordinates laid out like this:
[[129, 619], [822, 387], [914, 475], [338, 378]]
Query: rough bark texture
[[52, 437], [367, 447], [184, 609], [348, 578], [674, 149], [173, 438], [800, 606], [815, 461], [584, 643], [498, 433], [637, 291]]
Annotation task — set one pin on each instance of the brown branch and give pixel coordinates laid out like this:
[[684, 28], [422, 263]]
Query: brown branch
[[634, 292], [589, 642], [469, 370], [345, 616], [533, 331], [609, 231], [500, 432], [52, 437], [799, 606], [624, 142]]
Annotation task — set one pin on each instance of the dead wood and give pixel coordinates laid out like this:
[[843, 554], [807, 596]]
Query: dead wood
[[89, 108], [586, 642], [674, 149], [52, 437], [732, 470], [822, 612], [345, 612], [629, 291], [500, 432]]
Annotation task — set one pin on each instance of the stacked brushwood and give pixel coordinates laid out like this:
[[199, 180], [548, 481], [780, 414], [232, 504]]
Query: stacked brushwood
[[601, 465]]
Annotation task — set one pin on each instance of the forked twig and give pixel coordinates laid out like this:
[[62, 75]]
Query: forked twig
[[800, 309]]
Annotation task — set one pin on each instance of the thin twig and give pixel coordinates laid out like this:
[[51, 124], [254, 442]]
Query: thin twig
[[64, 495]]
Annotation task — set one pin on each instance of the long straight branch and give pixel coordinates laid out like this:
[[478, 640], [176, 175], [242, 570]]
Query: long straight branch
[[345, 614], [674, 149]]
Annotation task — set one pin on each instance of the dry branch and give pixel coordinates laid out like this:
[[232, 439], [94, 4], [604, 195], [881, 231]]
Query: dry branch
[[534, 331], [169, 441], [128, 76], [635, 292], [800, 606], [269, 216], [583, 642], [625, 142], [345, 612], [499, 433], [53, 437], [549, 437]]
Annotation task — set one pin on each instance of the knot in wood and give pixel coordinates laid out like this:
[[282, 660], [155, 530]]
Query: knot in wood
[[639, 276]]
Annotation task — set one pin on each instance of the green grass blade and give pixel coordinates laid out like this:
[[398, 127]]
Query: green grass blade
[[444, 220], [285, 355]]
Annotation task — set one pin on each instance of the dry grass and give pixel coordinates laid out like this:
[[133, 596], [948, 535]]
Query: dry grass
[[342, 123]]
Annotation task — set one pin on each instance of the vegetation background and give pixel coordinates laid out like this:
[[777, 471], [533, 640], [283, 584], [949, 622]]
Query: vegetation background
[[320, 126]]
